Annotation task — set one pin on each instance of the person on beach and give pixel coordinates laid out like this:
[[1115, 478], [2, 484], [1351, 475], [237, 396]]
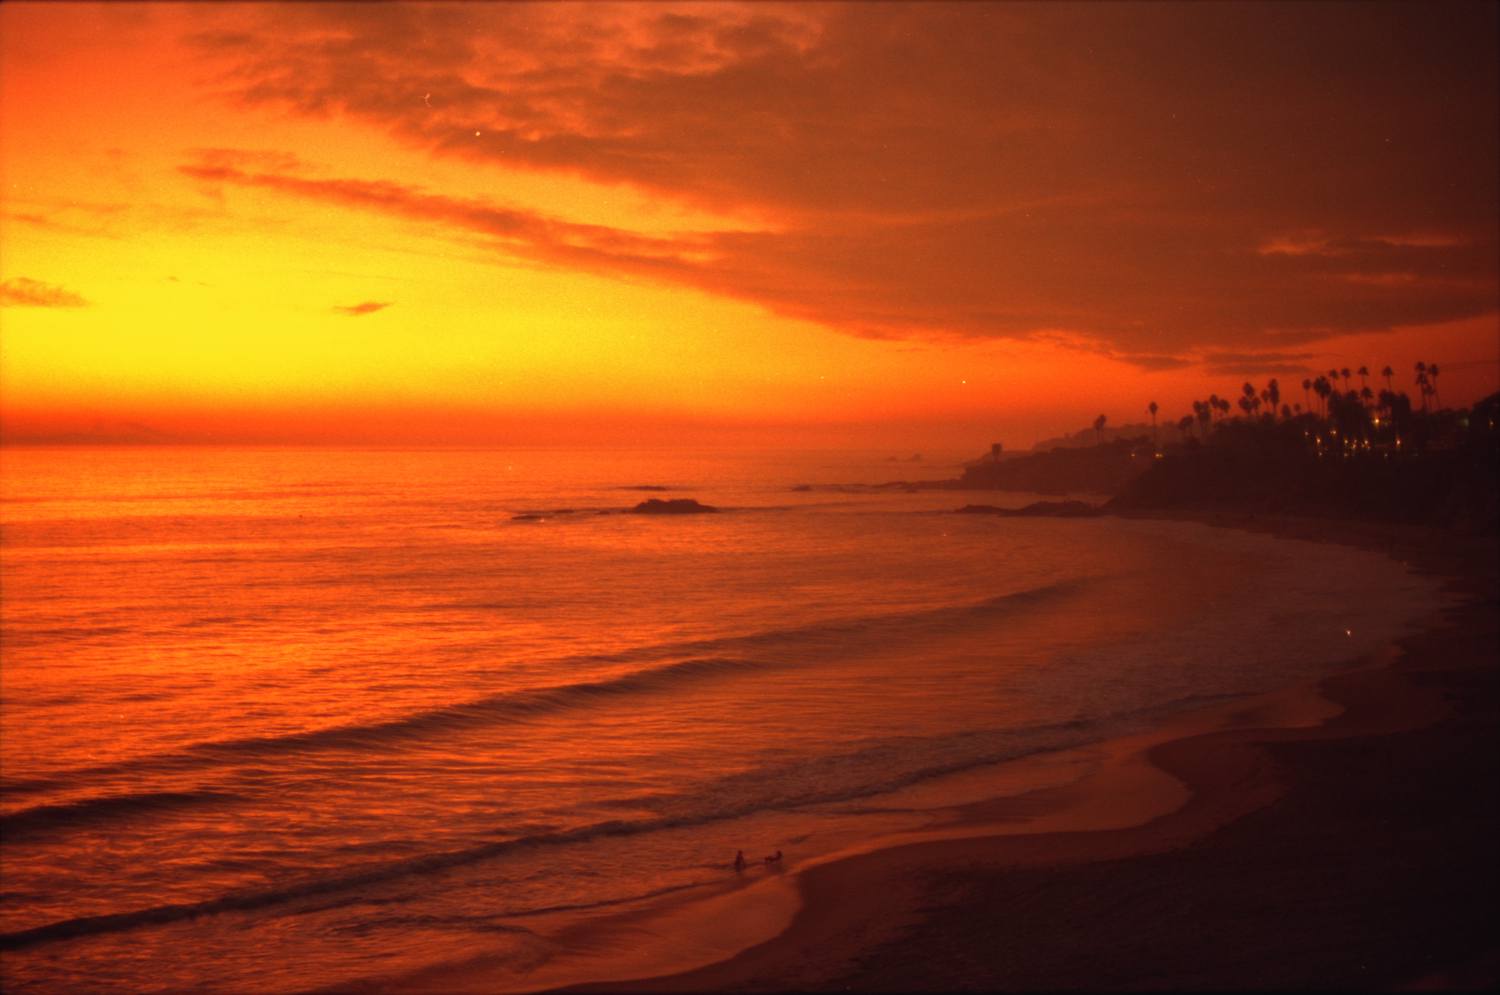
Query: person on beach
[[739, 860]]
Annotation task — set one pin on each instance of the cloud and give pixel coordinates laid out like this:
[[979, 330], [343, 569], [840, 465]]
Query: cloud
[[23, 292], [945, 170], [362, 308]]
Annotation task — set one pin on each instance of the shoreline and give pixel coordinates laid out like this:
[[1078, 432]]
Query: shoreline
[[961, 903], [1132, 907]]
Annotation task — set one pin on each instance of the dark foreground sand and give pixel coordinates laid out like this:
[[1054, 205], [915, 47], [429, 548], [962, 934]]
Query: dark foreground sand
[[1357, 854]]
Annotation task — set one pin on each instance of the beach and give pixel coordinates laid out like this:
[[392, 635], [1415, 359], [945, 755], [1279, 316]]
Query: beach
[[1354, 853]]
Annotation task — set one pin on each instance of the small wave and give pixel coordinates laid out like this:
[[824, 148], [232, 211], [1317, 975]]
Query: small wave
[[486, 711], [250, 900], [91, 811], [61, 634], [695, 660], [370, 736], [544, 514], [208, 621], [568, 514], [723, 806], [475, 924], [826, 779], [13, 787]]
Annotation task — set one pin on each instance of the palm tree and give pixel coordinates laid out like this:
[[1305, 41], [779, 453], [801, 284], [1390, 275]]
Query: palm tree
[[1273, 392], [1363, 372], [1388, 373], [1432, 373], [1307, 386], [1099, 430], [1185, 426], [1213, 405], [1345, 374], [1323, 388], [1422, 383], [1153, 409]]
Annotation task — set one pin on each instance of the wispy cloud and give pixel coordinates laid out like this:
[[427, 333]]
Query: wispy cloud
[[362, 308], [24, 292], [1247, 364]]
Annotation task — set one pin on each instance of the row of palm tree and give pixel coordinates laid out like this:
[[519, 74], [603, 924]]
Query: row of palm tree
[[1343, 412]]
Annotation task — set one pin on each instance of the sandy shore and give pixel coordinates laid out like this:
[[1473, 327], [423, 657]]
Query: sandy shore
[[1349, 852]]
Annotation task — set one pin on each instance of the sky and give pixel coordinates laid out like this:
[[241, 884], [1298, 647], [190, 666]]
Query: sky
[[882, 225]]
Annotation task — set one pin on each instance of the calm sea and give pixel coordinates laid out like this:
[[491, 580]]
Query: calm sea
[[275, 719]]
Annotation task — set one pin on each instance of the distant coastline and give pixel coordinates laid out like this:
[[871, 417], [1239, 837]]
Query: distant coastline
[[1447, 475]]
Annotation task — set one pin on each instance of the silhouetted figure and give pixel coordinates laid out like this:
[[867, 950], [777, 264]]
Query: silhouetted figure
[[739, 860]]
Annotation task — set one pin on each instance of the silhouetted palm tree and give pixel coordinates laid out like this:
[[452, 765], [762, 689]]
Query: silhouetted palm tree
[[1099, 430], [1363, 372], [1204, 411], [1345, 374], [1432, 374], [1349, 417], [1153, 409], [1273, 392], [1423, 386], [1388, 373], [1322, 387], [1307, 386], [1185, 426]]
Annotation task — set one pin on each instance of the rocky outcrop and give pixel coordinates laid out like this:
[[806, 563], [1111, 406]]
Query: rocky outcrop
[[675, 506]]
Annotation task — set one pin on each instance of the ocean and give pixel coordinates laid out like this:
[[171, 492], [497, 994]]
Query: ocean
[[278, 719]]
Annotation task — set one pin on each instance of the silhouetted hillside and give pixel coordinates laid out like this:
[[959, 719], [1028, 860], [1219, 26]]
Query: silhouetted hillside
[[1099, 469], [1451, 479], [1166, 434]]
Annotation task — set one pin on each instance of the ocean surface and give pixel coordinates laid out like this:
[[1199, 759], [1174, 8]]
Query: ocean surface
[[276, 719]]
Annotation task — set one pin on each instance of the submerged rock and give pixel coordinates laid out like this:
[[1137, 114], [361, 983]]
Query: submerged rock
[[540, 516], [675, 506]]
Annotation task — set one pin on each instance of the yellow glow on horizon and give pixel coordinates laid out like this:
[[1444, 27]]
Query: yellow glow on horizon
[[214, 299]]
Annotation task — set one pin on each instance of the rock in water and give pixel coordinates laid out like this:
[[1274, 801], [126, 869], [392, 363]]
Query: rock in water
[[676, 506]]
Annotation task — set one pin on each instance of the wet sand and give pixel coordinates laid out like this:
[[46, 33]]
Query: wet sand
[[1347, 852]]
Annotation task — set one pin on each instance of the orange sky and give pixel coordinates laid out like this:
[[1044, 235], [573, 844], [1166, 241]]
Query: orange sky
[[886, 225]]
